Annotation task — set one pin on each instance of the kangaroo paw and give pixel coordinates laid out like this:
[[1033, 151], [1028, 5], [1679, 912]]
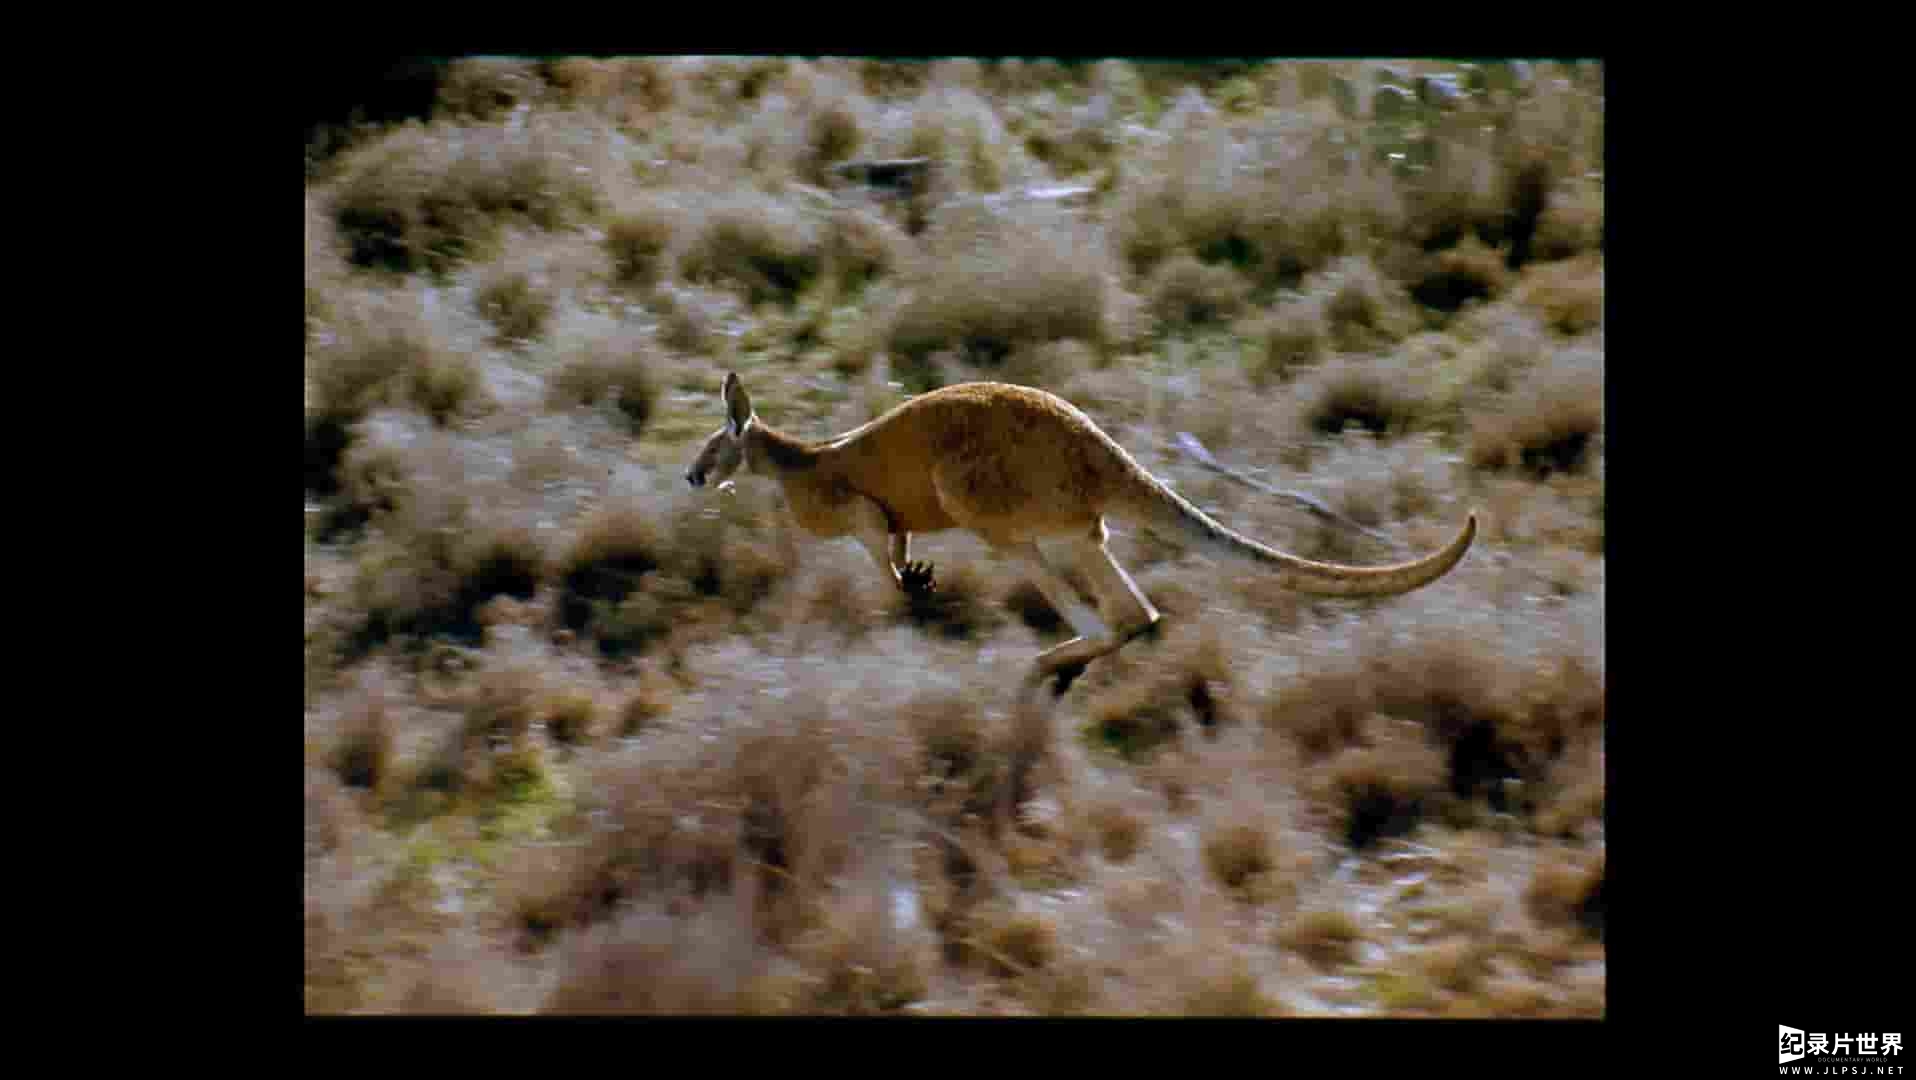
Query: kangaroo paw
[[915, 578]]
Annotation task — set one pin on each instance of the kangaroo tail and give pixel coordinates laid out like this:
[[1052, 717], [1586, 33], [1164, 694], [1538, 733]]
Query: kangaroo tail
[[1152, 503]]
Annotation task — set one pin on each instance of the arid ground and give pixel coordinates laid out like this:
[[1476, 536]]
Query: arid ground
[[581, 739]]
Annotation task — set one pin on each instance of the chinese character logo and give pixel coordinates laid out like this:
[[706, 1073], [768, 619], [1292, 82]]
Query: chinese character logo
[[1790, 1044]]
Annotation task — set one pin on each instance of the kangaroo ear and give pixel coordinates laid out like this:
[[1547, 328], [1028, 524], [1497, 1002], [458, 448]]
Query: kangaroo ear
[[738, 404]]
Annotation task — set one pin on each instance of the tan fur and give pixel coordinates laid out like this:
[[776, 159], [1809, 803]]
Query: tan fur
[[1014, 466]]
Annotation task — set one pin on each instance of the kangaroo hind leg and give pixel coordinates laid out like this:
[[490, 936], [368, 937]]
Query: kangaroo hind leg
[[1127, 613]]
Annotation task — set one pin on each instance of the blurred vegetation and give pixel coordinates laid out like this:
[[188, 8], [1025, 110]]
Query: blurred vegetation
[[580, 740]]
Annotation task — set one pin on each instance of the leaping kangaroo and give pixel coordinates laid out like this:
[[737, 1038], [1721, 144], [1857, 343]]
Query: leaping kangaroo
[[1013, 465]]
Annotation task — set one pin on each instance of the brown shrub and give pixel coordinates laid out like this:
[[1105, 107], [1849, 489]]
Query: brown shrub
[[438, 558], [571, 717], [651, 963], [860, 960], [1366, 310], [1295, 335], [616, 549], [482, 88], [606, 369], [1187, 683], [1326, 708], [692, 320], [1325, 934], [1384, 786], [1241, 851], [1120, 832], [1007, 942], [768, 247], [362, 754], [390, 354], [1568, 294], [1274, 204], [1467, 272], [1550, 424], [1377, 396], [1571, 223], [859, 247], [1186, 292], [428, 198], [517, 305], [1564, 890], [639, 238], [997, 278]]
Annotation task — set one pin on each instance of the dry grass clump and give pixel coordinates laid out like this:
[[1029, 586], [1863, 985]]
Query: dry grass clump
[[1070, 141], [1186, 292], [777, 815], [1326, 708], [1384, 786], [894, 79], [1228, 990], [1550, 424], [611, 369], [639, 237], [631, 580], [1292, 336], [1572, 221], [571, 717], [616, 549], [455, 983], [1118, 829], [846, 603], [1365, 310], [965, 135], [427, 198], [1568, 294], [1008, 943], [692, 320], [1325, 934], [483, 88], [1470, 271], [1380, 396], [1429, 726], [997, 278], [770, 248], [1500, 718], [384, 353], [517, 304], [1565, 890], [654, 963], [1457, 965], [362, 755], [963, 775], [1574, 808], [865, 957], [1268, 202], [329, 815], [437, 559], [1133, 712], [859, 247], [1240, 853], [1459, 688]]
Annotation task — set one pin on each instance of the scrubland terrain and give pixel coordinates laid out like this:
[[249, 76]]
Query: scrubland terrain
[[578, 739]]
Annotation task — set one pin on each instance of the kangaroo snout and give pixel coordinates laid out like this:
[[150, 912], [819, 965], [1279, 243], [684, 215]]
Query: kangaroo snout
[[694, 478]]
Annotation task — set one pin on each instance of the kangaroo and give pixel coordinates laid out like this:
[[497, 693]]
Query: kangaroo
[[1013, 465]]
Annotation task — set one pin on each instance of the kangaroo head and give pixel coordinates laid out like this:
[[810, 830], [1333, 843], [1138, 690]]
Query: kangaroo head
[[724, 452]]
